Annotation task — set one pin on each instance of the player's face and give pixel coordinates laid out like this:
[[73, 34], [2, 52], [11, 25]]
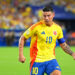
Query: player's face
[[48, 17]]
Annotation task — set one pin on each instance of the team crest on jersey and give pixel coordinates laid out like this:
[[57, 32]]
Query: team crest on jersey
[[55, 32]]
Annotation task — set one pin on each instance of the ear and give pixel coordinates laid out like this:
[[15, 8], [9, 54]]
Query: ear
[[53, 14]]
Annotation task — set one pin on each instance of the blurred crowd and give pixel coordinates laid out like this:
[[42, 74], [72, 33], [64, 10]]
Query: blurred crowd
[[16, 14], [68, 4]]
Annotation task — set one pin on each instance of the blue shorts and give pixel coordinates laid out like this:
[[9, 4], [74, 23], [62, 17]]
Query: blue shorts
[[44, 67]]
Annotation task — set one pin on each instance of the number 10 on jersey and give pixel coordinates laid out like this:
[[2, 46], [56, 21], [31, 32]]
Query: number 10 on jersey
[[48, 39]]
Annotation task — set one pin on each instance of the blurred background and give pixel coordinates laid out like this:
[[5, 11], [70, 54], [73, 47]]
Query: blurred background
[[18, 15]]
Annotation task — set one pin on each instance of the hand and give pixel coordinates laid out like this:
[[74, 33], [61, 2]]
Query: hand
[[73, 55], [22, 59]]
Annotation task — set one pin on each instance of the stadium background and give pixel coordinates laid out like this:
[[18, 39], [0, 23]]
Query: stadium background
[[18, 15]]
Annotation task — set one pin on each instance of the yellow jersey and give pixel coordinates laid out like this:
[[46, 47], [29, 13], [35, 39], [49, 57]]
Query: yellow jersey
[[43, 41]]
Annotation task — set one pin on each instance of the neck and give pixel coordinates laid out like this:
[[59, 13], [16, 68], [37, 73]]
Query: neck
[[49, 24]]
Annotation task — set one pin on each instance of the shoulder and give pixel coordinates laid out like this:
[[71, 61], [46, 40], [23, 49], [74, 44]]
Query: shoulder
[[58, 27], [35, 25]]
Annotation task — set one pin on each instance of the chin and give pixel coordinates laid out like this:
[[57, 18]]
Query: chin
[[47, 23]]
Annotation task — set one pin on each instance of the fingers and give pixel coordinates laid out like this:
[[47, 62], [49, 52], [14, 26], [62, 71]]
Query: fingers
[[74, 58], [22, 59]]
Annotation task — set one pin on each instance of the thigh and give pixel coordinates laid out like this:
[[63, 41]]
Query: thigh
[[56, 72], [52, 66], [37, 69]]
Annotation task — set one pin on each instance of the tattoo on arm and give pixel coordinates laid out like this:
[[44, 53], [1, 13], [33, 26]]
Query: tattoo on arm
[[21, 44], [66, 48]]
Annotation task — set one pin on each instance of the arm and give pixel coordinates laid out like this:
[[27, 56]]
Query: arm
[[67, 49], [27, 34], [21, 45]]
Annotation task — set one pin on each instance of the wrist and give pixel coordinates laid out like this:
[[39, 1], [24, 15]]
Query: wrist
[[72, 53], [20, 54]]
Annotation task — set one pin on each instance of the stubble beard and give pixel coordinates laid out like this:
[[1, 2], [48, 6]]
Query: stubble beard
[[48, 23]]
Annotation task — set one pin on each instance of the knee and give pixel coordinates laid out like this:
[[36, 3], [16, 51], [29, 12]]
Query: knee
[[56, 72]]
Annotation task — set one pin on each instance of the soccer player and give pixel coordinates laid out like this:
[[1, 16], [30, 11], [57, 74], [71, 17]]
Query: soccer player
[[42, 48]]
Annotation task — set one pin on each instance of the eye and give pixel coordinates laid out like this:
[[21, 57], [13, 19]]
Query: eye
[[48, 15], [44, 15]]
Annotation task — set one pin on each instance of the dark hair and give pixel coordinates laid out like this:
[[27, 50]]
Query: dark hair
[[48, 8]]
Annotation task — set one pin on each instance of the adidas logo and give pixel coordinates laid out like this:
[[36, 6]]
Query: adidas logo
[[43, 32]]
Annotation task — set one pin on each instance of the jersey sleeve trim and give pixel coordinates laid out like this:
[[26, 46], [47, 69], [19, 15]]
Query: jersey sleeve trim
[[62, 40], [35, 25]]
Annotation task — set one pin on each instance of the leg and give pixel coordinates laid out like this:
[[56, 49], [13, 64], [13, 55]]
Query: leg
[[53, 68], [56, 72]]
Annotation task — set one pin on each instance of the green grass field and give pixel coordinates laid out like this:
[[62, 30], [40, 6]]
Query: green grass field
[[9, 64]]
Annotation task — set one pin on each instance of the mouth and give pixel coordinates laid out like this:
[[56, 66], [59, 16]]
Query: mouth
[[46, 21]]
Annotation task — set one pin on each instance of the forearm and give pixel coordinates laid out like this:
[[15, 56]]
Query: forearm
[[66, 48], [21, 45]]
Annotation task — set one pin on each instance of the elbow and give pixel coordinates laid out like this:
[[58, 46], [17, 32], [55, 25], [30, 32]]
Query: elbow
[[22, 39]]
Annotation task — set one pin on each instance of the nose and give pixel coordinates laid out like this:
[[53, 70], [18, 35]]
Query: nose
[[46, 18]]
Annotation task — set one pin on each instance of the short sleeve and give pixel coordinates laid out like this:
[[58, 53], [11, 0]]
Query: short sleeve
[[60, 36], [60, 33], [29, 32]]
